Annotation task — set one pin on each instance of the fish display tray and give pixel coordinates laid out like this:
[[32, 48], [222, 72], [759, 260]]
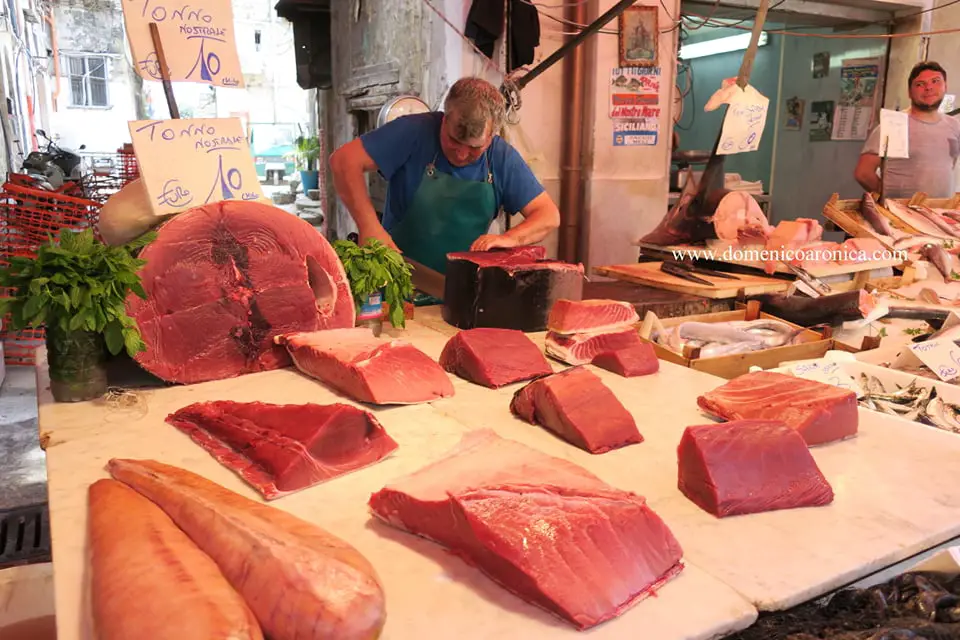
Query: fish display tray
[[846, 214], [648, 273], [812, 345]]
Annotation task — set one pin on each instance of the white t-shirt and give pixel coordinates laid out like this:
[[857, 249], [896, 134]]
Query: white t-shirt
[[934, 148]]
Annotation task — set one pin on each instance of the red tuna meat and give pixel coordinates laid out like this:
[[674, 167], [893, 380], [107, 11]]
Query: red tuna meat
[[543, 528], [280, 449], [579, 316], [639, 360], [582, 348], [749, 466], [223, 279], [819, 412], [368, 369], [578, 407], [493, 357]]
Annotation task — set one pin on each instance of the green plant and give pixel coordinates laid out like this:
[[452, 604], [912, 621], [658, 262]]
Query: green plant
[[77, 284], [307, 152], [374, 267]]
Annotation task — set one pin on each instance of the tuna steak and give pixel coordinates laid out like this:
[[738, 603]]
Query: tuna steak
[[280, 449], [493, 357], [507, 289], [223, 279], [582, 348], [749, 466], [300, 581], [368, 369], [543, 528], [639, 360], [578, 407], [819, 412], [149, 580], [580, 316]]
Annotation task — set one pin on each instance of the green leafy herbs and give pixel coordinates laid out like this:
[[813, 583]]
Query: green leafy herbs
[[954, 275], [77, 284], [376, 267], [913, 332]]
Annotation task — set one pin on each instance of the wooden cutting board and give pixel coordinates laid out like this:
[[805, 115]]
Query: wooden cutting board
[[648, 273]]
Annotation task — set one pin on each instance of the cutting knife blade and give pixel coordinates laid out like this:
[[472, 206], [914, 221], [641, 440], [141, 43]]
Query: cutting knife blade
[[679, 272], [426, 279]]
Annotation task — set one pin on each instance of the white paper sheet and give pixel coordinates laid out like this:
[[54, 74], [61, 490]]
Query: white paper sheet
[[744, 122], [894, 134]]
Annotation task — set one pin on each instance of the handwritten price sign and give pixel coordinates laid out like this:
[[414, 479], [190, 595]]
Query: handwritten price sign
[[829, 373], [198, 40], [943, 358], [189, 163], [743, 125]]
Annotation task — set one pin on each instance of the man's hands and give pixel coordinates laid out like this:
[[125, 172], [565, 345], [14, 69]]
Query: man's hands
[[489, 241]]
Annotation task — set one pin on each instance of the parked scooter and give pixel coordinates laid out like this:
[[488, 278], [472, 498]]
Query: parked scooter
[[50, 169]]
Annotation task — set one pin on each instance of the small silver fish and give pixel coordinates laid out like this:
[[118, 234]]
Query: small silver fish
[[872, 215], [937, 255], [909, 242]]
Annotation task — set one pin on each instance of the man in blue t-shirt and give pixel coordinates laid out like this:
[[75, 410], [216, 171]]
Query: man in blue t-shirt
[[448, 177]]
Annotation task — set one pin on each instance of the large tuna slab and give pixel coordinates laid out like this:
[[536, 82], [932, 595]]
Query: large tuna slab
[[819, 412], [223, 279], [507, 288], [749, 466], [299, 580], [368, 369], [582, 348], [638, 360], [543, 528], [493, 357], [578, 407], [580, 316], [280, 449]]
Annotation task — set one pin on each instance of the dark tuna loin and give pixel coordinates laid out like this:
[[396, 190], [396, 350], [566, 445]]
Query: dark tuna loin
[[819, 412], [638, 360], [279, 449], [578, 407], [570, 543], [749, 466], [512, 289], [223, 279], [493, 357]]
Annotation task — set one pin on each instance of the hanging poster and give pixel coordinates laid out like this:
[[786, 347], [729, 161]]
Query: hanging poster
[[642, 132], [821, 64], [821, 120], [198, 41], [638, 36], [794, 120], [859, 78], [631, 88], [187, 163]]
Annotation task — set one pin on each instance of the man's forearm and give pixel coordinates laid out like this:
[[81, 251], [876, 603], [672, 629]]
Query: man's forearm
[[351, 186], [534, 227], [869, 182]]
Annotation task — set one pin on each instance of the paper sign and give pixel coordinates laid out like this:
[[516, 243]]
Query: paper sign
[[943, 358], [189, 163], [894, 133], [636, 133], [831, 373], [744, 122], [633, 87], [198, 41], [949, 103]]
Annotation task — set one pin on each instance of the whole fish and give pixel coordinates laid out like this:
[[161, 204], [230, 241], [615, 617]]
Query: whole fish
[[915, 220], [936, 219], [717, 349], [872, 215], [939, 257], [716, 332]]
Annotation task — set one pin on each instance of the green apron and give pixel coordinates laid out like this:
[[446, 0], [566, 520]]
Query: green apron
[[446, 215]]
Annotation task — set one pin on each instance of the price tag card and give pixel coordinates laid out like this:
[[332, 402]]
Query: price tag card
[[943, 358], [894, 134], [831, 373], [189, 163], [743, 125], [198, 41]]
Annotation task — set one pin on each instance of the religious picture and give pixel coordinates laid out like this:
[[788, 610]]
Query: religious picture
[[638, 37], [821, 64], [794, 121]]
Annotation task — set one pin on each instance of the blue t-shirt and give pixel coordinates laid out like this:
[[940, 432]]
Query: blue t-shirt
[[403, 148]]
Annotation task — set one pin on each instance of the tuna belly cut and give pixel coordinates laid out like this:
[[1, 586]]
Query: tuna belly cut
[[749, 466], [578, 407], [570, 543], [578, 316], [494, 357], [582, 348], [366, 368], [280, 449]]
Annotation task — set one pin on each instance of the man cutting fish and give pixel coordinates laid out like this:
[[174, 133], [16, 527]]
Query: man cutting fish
[[933, 139], [449, 175]]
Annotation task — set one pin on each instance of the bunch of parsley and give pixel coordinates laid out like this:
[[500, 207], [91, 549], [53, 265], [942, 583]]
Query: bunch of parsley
[[376, 267]]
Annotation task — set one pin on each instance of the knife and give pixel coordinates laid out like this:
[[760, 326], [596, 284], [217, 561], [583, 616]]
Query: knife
[[426, 279], [692, 268], [680, 272]]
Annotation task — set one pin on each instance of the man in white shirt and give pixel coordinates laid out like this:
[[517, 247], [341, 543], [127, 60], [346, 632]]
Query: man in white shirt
[[934, 140]]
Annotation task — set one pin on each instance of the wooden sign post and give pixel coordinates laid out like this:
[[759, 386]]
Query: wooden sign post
[[164, 71]]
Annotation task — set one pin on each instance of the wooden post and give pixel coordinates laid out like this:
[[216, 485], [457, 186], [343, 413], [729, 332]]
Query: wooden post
[[746, 67], [164, 71], [883, 170]]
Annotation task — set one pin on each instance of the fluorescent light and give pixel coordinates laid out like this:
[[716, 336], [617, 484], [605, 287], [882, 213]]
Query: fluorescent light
[[720, 45]]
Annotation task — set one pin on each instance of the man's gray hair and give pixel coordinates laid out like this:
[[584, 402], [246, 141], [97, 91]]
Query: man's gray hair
[[475, 103]]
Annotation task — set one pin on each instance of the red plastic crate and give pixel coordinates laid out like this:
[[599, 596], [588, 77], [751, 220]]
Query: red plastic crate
[[27, 217]]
